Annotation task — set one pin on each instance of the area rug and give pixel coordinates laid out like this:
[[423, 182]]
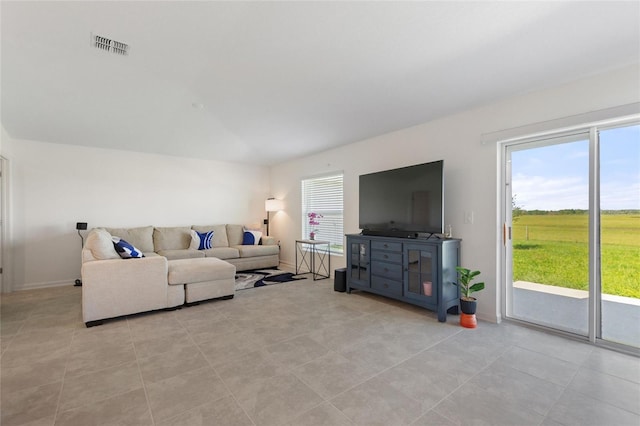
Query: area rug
[[262, 277]]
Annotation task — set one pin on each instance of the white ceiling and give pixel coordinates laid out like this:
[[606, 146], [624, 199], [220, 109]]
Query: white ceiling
[[279, 80]]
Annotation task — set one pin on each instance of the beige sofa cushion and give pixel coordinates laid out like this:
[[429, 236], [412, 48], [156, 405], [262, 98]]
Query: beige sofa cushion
[[151, 254], [186, 271], [253, 251], [267, 241], [222, 252], [141, 238], [171, 238], [219, 234], [99, 245], [181, 254], [235, 234]]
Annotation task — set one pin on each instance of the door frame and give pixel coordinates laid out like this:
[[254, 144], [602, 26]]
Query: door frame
[[5, 255]]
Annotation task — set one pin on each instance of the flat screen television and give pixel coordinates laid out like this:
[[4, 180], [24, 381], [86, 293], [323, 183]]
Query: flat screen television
[[404, 202]]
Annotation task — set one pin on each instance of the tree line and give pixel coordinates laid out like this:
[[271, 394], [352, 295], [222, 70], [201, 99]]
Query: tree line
[[521, 212]]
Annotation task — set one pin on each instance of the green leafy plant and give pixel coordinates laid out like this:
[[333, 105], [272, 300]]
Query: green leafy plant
[[465, 277]]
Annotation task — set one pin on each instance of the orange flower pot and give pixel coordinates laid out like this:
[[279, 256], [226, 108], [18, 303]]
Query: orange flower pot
[[468, 320]]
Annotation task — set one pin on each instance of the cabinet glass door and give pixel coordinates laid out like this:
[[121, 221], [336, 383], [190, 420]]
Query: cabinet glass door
[[359, 262], [421, 279]]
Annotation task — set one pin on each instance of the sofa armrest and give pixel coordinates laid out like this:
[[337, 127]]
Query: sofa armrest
[[269, 241], [116, 287]]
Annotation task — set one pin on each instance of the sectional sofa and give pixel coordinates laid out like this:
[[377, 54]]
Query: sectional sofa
[[171, 273]]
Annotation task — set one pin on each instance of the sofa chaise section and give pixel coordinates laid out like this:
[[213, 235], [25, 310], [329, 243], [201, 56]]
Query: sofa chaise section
[[203, 278]]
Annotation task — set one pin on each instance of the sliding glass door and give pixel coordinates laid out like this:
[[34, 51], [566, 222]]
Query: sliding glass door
[[620, 234], [572, 232], [550, 232]]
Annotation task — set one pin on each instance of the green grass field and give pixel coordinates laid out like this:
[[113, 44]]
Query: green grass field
[[556, 251]]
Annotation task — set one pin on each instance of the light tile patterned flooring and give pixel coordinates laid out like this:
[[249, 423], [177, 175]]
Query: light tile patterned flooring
[[298, 354]]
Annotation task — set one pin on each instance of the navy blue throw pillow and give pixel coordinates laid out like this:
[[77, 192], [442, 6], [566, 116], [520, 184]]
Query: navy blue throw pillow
[[206, 240], [251, 238], [126, 250]]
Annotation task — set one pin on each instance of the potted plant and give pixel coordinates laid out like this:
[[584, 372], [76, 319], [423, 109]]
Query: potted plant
[[467, 302]]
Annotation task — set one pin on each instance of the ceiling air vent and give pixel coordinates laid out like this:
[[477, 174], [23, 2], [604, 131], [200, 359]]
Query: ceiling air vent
[[109, 45]]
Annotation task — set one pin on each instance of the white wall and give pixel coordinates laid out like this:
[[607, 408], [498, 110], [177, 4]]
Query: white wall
[[54, 186], [471, 169]]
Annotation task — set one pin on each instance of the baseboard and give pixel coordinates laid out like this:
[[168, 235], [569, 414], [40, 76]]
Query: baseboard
[[287, 265], [46, 284], [488, 318]]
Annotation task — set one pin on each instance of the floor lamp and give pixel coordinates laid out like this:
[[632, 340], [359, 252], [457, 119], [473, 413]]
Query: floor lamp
[[80, 226], [272, 205]]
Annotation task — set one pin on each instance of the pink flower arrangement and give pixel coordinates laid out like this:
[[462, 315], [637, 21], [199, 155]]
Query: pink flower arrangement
[[313, 218]]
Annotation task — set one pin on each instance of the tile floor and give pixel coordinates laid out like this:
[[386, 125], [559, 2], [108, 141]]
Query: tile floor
[[298, 354]]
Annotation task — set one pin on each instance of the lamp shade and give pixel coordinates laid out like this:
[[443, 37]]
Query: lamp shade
[[273, 205]]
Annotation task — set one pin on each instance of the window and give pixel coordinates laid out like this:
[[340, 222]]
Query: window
[[323, 196]]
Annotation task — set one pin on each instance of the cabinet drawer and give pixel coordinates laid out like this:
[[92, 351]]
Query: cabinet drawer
[[382, 245], [386, 256], [387, 270], [387, 286]]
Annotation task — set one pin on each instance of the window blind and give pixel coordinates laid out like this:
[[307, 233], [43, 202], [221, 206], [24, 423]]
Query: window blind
[[324, 196]]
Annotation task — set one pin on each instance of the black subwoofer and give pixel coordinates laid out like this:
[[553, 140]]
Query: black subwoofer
[[340, 280]]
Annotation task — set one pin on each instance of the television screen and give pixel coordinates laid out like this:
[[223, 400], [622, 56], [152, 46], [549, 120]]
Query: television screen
[[407, 200]]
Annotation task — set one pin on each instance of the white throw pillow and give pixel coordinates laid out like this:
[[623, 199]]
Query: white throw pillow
[[100, 244], [195, 241]]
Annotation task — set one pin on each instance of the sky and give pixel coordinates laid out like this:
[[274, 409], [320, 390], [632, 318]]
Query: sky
[[556, 177]]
